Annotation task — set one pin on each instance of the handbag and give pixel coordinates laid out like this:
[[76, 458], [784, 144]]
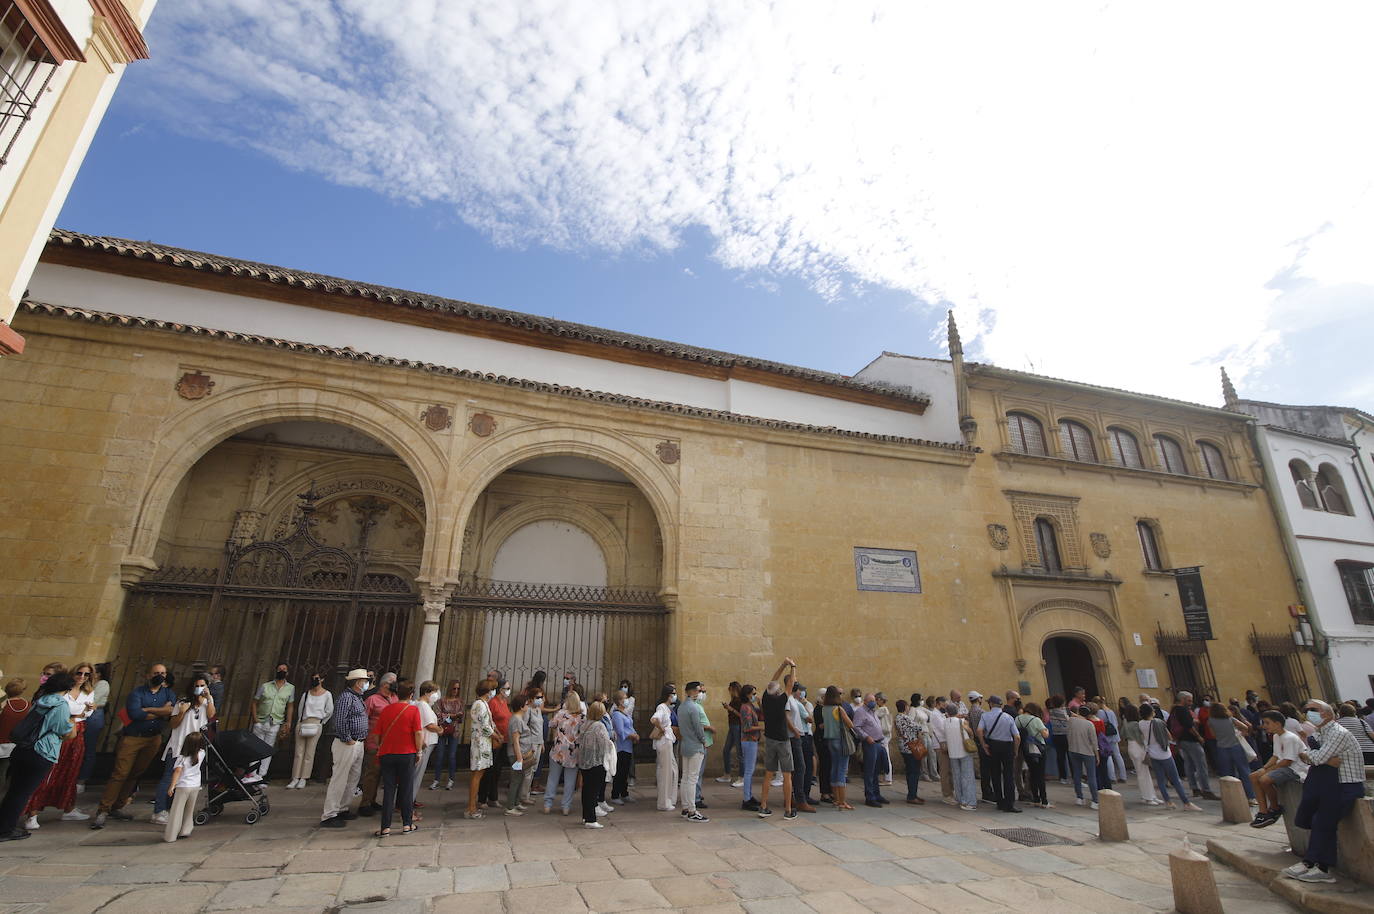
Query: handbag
[[1248, 749], [309, 727], [918, 749], [970, 744], [846, 735]]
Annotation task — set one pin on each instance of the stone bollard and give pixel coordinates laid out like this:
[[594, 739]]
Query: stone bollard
[[1235, 806], [1195, 888], [1111, 816], [1290, 795]]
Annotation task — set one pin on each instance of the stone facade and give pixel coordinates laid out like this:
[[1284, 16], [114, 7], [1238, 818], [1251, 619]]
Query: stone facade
[[745, 528]]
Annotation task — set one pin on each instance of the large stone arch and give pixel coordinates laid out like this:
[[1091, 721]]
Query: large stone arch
[[184, 438], [649, 474], [1094, 625], [595, 524]]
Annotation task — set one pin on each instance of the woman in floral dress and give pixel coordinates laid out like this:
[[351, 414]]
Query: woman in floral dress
[[480, 747]]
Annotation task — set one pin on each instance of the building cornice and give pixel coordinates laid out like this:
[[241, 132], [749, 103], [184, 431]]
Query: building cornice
[[125, 30], [47, 25], [160, 263], [977, 370], [964, 453]]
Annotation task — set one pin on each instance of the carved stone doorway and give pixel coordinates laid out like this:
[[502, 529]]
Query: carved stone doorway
[[1069, 664]]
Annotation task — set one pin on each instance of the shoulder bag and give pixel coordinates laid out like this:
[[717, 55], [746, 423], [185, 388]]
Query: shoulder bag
[[846, 733], [970, 744]]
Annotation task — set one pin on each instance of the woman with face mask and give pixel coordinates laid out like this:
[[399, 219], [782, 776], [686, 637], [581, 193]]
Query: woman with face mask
[[314, 710], [425, 699], [563, 755], [499, 706], [481, 746], [191, 715], [664, 739], [449, 710]]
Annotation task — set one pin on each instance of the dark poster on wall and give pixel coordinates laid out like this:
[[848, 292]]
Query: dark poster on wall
[[1196, 619]]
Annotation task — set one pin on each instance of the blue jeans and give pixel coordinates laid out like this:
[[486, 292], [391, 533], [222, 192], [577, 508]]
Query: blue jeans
[[94, 724], [1166, 773], [162, 802], [913, 776], [750, 750], [873, 760], [1087, 766], [569, 778], [1195, 758], [1231, 761], [446, 756], [961, 773], [732, 747]]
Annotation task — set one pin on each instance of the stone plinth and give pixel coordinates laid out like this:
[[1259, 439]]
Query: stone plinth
[[1195, 888], [1111, 816], [1235, 806], [1290, 795], [1355, 842]]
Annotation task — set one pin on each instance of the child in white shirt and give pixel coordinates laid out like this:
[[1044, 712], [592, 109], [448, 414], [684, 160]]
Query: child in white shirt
[[185, 787]]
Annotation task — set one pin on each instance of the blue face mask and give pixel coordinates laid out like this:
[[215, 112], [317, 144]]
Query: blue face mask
[[1315, 718], [871, 705]]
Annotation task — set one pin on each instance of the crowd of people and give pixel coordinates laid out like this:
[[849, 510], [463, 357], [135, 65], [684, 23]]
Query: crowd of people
[[577, 746]]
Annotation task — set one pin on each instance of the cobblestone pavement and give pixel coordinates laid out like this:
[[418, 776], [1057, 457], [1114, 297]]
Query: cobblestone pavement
[[900, 858]]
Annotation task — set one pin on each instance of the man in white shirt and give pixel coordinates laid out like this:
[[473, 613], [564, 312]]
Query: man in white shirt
[[803, 747], [1285, 767]]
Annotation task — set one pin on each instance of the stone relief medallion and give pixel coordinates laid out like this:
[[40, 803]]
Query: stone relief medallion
[[669, 452], [999, 536], [482, 424], [437, 418], [194, 385], [1102, 547]]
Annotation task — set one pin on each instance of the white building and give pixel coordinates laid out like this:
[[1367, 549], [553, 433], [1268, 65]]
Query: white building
[[1318, 465]]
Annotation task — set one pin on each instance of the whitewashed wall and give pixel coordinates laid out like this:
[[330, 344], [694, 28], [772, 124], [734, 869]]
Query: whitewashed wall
[[145, 298]]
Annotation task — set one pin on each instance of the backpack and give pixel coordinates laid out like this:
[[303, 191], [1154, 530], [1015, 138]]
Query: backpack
[[1111, 728], [29, 728]]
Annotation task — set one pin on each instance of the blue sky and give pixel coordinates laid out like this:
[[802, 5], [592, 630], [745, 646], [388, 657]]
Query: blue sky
[[812, 185]]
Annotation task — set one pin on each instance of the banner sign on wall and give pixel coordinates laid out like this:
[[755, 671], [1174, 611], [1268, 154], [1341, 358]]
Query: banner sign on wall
[[1196, 619], [890, 570]]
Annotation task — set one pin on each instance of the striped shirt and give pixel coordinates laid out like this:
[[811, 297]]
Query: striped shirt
[[1337, 741]]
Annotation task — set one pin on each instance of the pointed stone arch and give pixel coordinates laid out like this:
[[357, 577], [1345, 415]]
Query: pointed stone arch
[[614, 547]]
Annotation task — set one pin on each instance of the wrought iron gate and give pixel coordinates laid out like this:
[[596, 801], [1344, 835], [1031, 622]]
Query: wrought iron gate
[[293, 599], [1280, 660]]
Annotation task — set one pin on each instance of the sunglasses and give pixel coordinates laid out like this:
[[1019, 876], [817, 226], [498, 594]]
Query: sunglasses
[[82, 673]]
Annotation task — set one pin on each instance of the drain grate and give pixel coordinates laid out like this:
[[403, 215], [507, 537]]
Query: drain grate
[[1031, 837]]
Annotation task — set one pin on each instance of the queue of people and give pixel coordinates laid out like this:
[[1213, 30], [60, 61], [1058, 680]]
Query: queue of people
[[384, 732]]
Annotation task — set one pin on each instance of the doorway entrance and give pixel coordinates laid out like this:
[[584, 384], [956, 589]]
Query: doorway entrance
[[1069, 664]]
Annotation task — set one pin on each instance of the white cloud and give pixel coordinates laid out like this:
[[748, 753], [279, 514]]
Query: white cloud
[[1103, 192]]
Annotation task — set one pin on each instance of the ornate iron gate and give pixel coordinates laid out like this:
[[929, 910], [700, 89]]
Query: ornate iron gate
[[293, 599]]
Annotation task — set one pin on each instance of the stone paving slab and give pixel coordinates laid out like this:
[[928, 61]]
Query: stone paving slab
[[899, 858]]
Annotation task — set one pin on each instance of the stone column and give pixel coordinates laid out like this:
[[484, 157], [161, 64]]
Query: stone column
[[436, 600], [1111, 816]]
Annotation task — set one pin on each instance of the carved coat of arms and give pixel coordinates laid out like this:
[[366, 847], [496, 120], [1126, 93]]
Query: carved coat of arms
[[437, 418], [999, 536], [482, 424], [669, 452], [194, 385], [1102, 547]]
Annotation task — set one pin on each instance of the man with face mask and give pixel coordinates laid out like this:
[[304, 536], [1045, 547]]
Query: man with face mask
[[871, 732], [149, 708], [376, 703], [350, 730], [1335, 780], [271, 710]]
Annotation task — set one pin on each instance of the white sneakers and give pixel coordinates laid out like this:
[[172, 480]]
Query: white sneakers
[[601, 811], [514, 811], [592, 825], [1093, 805], [433, 785], [75, 815], [296, 784], [1303, 873], [723, 779], [31, 823], [607, 808], [1078, 801], [159, 818], [737, 782], [1295, 869], [777, 781]]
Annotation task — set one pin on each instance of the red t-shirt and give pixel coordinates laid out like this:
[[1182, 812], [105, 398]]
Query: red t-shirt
[[14, 710], [397, 726]]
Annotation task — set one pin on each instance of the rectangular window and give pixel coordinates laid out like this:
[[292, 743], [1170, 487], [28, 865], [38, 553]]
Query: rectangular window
[[1357, 578], [1149, 546]]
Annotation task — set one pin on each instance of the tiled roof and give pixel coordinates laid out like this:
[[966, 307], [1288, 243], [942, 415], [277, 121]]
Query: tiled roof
[[696, 412], [211, 263]]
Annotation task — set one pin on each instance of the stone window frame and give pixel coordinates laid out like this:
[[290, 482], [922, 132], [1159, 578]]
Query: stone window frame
[[1062, 513]]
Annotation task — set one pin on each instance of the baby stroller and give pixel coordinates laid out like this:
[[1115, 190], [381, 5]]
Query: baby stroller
[[227, 757]]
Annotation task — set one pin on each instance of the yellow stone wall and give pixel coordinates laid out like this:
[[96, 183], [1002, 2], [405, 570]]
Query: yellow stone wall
[[757, 525]]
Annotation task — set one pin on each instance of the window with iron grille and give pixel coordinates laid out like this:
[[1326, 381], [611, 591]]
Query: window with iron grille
[[1047, 544], [1026, 433], [1076, 441], [27, 65], [1170, 454], [1149, 545], [1357, 578], [1125, 448]]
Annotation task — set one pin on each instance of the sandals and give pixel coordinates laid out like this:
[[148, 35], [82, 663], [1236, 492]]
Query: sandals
[[409, 828], [382, 833]]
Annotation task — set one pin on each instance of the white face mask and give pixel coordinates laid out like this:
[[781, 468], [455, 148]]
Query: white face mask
[[200, 690], [367, 684], [505, 693]]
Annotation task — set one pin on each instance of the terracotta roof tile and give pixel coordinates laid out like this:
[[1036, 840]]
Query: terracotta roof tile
[[145, 323], [211, 263]]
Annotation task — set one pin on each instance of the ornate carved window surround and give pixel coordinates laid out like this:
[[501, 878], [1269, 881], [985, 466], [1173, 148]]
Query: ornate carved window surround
[[1061, 512]]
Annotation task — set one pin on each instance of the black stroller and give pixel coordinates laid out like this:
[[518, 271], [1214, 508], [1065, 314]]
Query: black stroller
[[227, 756]]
